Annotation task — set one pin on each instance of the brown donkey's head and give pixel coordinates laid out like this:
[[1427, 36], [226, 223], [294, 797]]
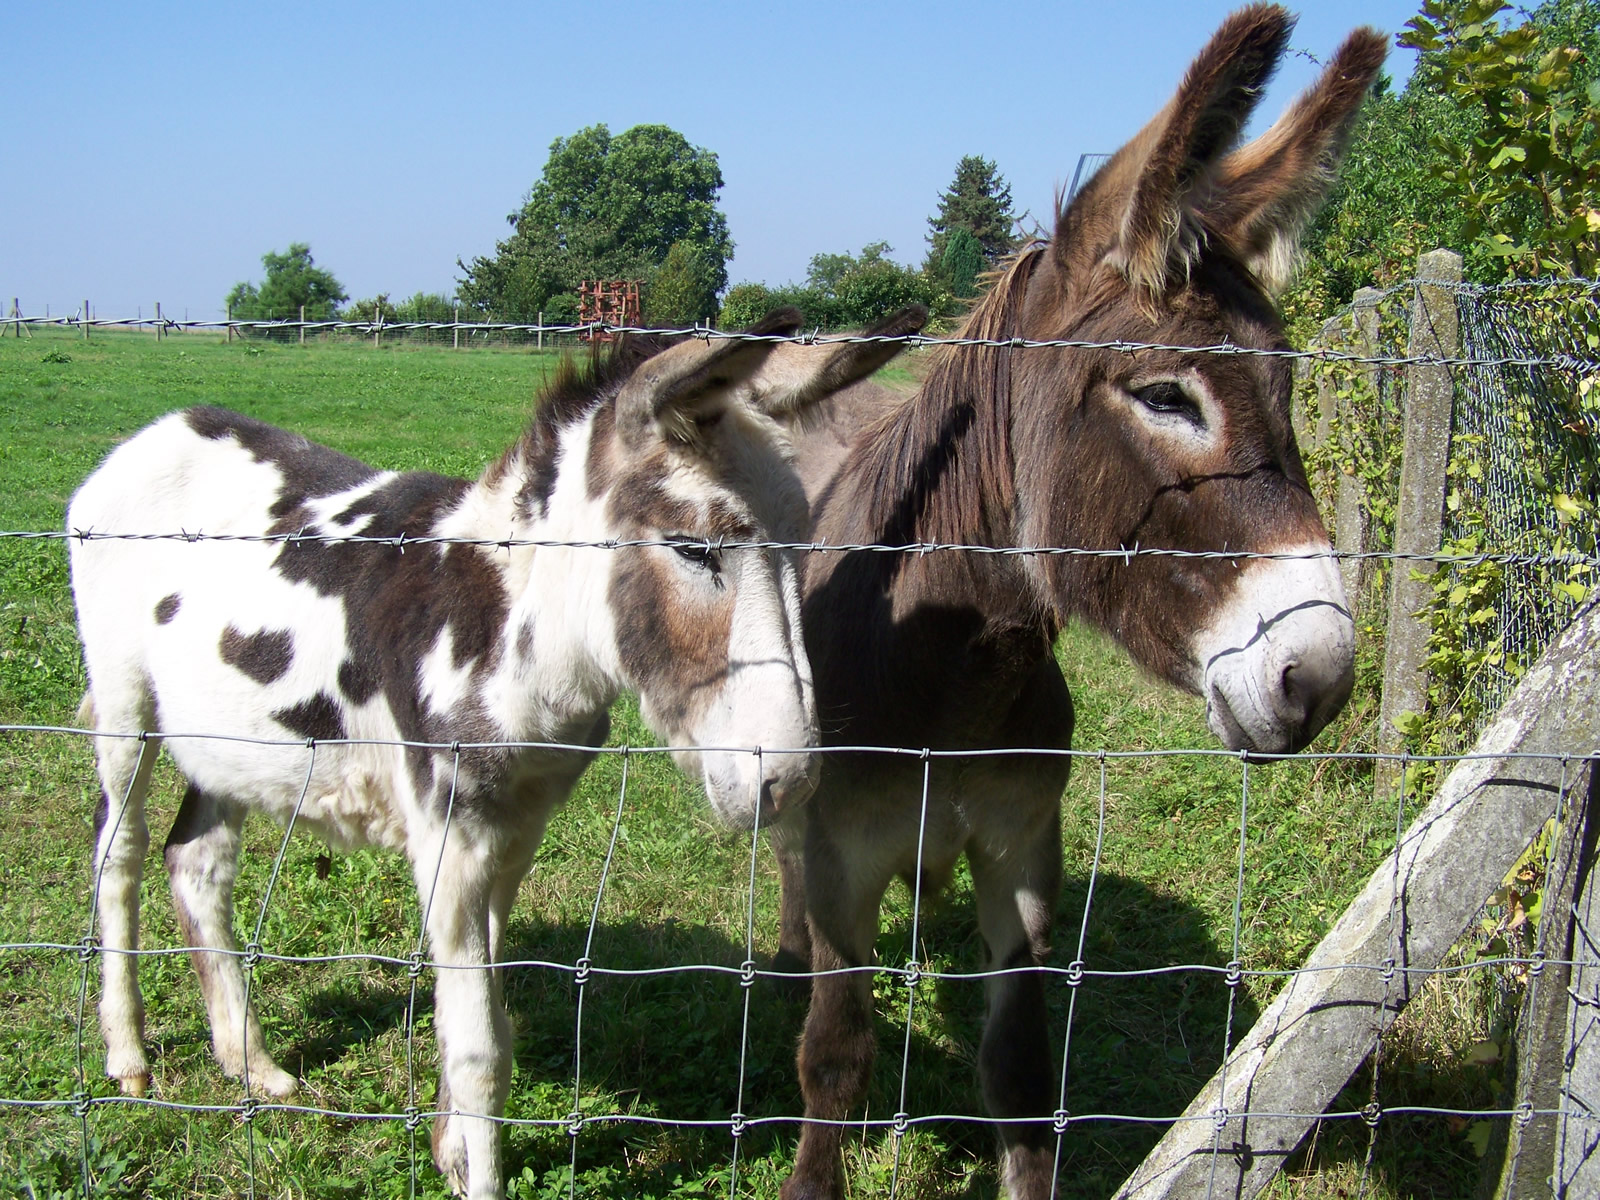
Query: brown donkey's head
[[1183, 239]]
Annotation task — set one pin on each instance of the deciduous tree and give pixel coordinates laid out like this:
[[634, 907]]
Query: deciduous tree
[[292, 280], [604, 207]]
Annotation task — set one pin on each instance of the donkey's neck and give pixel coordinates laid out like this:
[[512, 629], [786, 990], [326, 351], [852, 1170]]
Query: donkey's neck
[[558, 652]]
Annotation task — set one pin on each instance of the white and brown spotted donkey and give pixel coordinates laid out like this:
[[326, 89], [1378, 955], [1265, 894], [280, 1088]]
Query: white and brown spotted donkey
[[307, 661]]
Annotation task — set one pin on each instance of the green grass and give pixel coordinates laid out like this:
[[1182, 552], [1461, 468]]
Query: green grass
[[667, 1045]]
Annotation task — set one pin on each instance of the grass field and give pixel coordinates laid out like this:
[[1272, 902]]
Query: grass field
[[669, 1045]]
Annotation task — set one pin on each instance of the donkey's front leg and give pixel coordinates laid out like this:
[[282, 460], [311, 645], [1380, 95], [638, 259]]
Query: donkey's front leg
[[838, 1045], [1016, 890], [794, 937], [474, 1035]]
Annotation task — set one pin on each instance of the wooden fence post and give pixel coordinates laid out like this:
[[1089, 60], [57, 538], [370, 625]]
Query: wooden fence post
[[86, 320], [1555, 1054], [541, 331], [227, 330], [1419, 512], [302, 324], [1246, 1122], [455, 332], [377, 328], [17, 313], [160, 328]]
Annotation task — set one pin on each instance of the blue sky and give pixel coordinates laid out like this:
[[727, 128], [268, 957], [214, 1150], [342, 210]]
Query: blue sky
[[155, 152]]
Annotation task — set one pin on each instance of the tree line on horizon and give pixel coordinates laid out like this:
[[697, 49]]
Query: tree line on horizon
[[1492, 148], [641, 205]]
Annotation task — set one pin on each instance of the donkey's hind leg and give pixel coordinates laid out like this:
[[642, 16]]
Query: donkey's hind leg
[[202, 856], [1016, 892], [121, 838]]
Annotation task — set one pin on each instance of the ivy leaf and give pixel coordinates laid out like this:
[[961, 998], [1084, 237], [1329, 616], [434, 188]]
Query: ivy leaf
[[1507, 154]]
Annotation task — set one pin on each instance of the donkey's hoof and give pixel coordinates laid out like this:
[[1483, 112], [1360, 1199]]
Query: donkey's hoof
[[135, 1083], [274, 1081], [450, 1153]]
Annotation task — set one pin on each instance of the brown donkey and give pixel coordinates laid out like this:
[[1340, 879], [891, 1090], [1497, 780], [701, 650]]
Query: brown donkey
[[1180, 240]]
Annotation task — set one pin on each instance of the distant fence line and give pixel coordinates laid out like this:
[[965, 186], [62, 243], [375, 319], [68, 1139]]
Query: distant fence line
[[1577, 364]]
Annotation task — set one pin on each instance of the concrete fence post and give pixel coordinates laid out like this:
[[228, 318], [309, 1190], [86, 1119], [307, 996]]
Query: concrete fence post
[[302, 324], [17, 313], [1327, 395], [541, 331], [455, 332], [1419, 514], [161, 330], [377, 326], [1350, 517], [227, 330], [86, 320]]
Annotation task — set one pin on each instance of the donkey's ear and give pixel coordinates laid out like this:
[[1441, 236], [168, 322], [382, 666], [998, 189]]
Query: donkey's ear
[[1163, 174], [676, 393], [1266, 193], [798, 376]]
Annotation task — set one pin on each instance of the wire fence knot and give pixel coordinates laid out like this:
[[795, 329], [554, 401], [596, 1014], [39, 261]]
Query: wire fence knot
[[1062, 1119], [1536, 964], [1219, 1117], [82, 1102], [252, 955], [1387, 969], [249, 1107], [574, 1123], [913, 973], [736, 1124], [1524, 1113], [581, 969], [1075, 972], [413, 1116], [416, 962], [1372, 1113], [747, 973], [88, 948], [902, 1122], [1235, 973]]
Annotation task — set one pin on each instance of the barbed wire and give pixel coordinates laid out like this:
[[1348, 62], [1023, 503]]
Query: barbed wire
[[1124, 554], [1573, 364]]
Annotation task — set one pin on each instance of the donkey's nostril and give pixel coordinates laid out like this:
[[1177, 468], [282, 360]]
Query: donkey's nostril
[[1315, 687]]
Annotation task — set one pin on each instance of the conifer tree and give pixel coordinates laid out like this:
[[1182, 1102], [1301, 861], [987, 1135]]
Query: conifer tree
[[979, 201]]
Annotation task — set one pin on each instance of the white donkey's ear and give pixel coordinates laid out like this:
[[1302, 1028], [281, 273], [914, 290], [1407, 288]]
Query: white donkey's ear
[[675, 395], [798, 376]]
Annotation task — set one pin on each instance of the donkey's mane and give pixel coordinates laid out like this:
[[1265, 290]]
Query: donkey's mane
[[577, 388], [939, 467]]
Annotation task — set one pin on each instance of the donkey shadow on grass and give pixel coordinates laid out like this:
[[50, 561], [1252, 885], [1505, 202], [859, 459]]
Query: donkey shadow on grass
[[668, 1044]]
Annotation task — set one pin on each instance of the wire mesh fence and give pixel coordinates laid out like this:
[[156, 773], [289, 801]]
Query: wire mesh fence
[[655, 1056]]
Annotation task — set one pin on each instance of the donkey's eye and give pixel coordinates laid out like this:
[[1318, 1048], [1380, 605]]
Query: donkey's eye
[[1169, 399], [699, 553]]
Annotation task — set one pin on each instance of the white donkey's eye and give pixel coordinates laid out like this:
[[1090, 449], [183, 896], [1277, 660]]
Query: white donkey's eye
[[700, 552], [1167, 398]]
